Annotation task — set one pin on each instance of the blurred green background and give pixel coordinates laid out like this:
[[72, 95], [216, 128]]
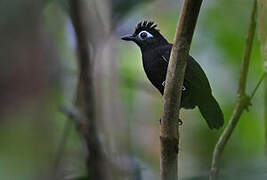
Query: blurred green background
[[39, 73]]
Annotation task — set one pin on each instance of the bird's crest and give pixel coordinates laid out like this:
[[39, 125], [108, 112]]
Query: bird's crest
[[146, 26]]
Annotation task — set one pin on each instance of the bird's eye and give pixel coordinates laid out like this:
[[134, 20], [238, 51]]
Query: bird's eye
[[144, 35]]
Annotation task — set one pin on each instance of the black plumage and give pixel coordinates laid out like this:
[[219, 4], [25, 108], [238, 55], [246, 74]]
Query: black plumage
[[196, 88]]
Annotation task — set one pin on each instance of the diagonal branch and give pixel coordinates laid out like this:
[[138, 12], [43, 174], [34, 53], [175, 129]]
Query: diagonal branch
[[169, 132], [258, 85], [242, 101]]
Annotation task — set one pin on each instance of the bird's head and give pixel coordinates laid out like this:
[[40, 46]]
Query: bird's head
[[146, 36]]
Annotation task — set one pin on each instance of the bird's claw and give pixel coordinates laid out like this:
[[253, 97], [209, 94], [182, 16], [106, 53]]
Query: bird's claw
[[180, 122]]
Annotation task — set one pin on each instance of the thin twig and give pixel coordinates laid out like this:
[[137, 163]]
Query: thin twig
[[242, 101], [258, 85], [62, 145], [169, 132], [76, 118], [72, 113]]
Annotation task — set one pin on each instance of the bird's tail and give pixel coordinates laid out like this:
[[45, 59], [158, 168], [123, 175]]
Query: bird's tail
[[211, 112]]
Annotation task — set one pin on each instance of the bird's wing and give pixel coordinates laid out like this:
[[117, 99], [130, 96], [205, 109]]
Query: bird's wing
[[193, 74], [165, 53]]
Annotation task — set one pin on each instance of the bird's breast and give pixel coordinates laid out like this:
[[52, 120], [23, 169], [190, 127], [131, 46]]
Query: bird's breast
[[155, 69]]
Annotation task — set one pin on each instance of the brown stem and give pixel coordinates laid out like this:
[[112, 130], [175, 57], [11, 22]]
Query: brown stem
[[85, 92], [242, 101], [169, 132], [265, 112]]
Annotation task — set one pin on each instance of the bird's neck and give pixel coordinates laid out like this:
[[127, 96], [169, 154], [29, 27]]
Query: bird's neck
[[153, 46]]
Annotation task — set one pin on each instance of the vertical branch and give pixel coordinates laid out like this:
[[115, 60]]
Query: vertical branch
[[265, 112], [169, 132], [85, 92], [247, 52], [262, 36], [242, 101]]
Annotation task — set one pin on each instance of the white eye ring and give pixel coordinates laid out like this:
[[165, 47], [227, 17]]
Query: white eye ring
[[148, 35]]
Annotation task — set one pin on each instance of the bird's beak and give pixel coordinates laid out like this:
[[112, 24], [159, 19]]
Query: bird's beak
[[127, 37]]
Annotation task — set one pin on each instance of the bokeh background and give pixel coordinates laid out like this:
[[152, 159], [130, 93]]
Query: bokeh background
[[38, 73]]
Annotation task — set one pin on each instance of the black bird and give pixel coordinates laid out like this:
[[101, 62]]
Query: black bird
[[196, 88]]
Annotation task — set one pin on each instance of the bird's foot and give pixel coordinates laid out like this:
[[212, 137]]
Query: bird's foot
[[179, 121]]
